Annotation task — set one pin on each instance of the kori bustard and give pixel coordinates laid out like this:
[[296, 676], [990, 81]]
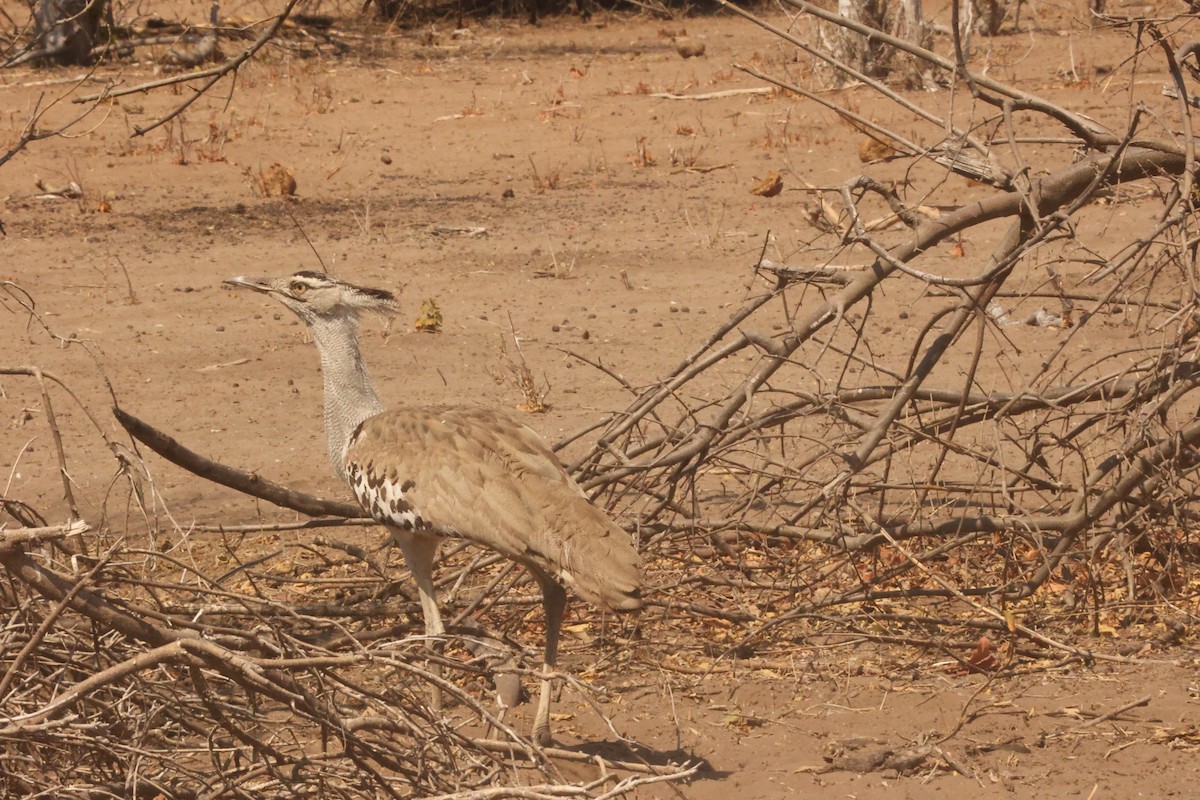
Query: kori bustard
[[432, 473]]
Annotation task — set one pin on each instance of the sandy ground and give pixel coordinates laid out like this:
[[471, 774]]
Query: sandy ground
[[531, 183]]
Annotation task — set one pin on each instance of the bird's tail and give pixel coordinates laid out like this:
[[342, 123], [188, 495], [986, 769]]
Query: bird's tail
[[597, 560]]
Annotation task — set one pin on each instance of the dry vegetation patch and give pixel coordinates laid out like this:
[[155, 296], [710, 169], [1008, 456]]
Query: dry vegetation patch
[[891, 373]]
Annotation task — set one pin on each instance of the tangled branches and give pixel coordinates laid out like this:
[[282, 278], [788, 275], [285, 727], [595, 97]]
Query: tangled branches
[[122, 680], [931, 448]]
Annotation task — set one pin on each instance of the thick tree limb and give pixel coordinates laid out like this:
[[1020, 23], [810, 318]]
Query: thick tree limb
[[245, 482]]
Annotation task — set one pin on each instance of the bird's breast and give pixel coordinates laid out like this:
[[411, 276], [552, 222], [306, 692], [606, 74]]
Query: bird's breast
[[383, 497]]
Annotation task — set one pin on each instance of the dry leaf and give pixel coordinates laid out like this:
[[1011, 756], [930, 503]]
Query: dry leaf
[[430, 320], [874, 150], [983, 657], [276, 181], [769, 186], [688, 47]]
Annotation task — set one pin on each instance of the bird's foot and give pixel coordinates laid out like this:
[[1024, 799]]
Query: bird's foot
[[542, 736]]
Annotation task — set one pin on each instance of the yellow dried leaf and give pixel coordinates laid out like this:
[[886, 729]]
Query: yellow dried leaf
[[430, 319]]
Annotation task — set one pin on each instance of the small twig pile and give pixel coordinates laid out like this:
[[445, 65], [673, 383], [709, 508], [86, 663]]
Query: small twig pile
[[142, 675]]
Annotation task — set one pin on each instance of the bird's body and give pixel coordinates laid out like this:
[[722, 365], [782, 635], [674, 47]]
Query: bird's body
[[481, 475], [428, 473]]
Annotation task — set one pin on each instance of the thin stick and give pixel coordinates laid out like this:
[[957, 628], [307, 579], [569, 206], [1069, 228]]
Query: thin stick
[[1116, 712]]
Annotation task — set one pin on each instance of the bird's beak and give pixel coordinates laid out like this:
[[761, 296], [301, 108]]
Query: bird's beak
[[243, 282]]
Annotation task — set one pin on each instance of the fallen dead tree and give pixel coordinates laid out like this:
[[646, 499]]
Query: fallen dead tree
[[842, 470]]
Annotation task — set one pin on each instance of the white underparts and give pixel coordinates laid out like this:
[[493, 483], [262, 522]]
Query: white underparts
[[383, 499]]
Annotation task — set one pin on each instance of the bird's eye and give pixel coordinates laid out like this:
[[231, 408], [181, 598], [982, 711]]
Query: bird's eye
[[299, 288]]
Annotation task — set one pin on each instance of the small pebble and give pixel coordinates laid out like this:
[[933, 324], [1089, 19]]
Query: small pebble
[[385, 158], [587, 335], [220, 328], [554, 328], [633, 311]]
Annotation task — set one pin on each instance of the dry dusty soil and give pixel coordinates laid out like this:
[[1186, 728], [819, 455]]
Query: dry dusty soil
[[536, 183]]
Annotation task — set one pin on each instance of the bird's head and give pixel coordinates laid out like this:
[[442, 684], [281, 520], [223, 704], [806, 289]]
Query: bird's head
[[315, 296]]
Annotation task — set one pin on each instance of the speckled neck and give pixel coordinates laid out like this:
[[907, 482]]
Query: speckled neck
[[349, 396]]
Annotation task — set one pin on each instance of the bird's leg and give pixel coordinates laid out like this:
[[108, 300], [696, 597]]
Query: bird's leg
[[501, 661], [554, 601], [420, 552]]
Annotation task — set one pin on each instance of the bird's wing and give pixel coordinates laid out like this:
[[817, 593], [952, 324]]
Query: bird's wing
[[482, 475]]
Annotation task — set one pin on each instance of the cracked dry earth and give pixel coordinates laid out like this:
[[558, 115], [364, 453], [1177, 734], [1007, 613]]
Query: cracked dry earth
[[528, 181]]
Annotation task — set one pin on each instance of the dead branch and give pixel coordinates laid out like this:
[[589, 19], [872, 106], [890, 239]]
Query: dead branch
[[844, 470], [210, 76], [245, 482]]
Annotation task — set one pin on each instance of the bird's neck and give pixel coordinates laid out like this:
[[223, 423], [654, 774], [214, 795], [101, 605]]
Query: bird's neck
[[349, 396]]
